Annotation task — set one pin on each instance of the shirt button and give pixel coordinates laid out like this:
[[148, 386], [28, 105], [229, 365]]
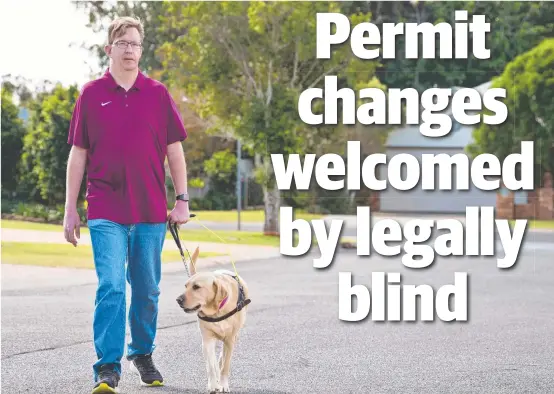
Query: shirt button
[[126, 105]]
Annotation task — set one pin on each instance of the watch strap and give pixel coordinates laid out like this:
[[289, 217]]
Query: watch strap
[[183, 197]]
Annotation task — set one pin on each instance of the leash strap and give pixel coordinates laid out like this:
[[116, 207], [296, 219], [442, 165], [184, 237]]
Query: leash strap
[[174, 229], [222, 240]]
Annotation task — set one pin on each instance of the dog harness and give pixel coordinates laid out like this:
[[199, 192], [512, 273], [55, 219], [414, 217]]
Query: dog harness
[[241, 303]]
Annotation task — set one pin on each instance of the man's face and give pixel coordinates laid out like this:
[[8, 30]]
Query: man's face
[[126, 50]]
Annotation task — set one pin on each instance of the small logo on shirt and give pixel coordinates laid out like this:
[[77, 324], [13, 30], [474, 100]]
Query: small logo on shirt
[[106, 103]]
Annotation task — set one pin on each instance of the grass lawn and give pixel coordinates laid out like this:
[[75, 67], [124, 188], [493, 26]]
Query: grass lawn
[[245, 216], [537, 224], [62, 255], [230, 237], [201, 235]]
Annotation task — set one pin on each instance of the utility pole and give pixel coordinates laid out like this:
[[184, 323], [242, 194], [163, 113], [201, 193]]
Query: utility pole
[[239, 192]]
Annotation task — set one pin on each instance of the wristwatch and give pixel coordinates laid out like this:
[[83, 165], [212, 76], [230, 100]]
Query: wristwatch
[[182, 197]]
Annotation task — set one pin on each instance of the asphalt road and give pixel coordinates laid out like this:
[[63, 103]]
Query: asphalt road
[[294, 341]]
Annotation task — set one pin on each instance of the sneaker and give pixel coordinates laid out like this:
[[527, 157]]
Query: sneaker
[[107, 380], [145, 368]]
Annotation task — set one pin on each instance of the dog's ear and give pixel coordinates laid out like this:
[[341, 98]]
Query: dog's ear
[[220, 291], [193, 261]]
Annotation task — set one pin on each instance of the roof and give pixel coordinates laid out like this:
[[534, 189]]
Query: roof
[[411, 137]]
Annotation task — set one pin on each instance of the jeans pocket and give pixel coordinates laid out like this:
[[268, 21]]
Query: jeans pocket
[[99, 222]]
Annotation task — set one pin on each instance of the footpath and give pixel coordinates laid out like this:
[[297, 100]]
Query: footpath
[[15, 276]]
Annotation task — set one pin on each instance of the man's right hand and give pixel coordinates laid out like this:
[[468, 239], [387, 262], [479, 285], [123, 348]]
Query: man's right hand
[[72, 226]]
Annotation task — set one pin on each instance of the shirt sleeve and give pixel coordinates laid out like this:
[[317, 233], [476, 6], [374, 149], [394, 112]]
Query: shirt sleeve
[[175, 127], [78, 133]]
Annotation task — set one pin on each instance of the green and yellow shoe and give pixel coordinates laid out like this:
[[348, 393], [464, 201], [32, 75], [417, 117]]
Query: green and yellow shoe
[[147, 371], [107, 380]]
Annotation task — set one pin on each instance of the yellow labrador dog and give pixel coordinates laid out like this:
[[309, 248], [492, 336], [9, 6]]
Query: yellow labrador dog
[[220, 299]]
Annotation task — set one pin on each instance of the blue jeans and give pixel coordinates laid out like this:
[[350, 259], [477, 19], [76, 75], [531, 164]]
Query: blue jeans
[[125, 253]]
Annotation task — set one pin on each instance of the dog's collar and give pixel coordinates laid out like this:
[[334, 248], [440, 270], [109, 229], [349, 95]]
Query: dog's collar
[[223, 302], [241, 303]]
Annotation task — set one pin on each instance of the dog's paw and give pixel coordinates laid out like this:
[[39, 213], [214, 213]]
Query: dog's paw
[[225, 385], [216, 389]]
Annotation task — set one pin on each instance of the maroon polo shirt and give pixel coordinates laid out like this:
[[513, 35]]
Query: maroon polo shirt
[[126, 134]]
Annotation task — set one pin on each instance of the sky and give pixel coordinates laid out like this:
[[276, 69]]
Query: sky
[[37, 38]]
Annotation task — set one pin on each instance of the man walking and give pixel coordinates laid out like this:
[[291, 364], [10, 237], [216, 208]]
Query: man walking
[[123, 127]]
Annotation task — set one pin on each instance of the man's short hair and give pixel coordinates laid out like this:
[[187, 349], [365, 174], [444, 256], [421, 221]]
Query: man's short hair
[[120, 25]]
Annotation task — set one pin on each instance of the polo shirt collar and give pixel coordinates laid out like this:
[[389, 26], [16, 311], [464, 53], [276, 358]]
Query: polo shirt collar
[[113, 85]]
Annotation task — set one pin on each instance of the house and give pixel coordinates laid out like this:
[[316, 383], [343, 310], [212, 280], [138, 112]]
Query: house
[[409, 140]]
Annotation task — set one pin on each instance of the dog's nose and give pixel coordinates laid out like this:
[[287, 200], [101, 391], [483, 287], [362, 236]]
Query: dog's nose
[[180, 299]]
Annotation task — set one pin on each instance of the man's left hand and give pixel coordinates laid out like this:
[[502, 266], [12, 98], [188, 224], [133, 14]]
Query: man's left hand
[[180, 213]]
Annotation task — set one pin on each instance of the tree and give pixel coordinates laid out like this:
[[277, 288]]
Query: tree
[[18, 86], [246, 65], [101, 13], [13, 131], [222, 171], [529, 83], [516, 27], [45, 146]]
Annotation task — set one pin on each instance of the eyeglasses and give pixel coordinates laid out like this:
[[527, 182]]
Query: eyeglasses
[[125, 44]]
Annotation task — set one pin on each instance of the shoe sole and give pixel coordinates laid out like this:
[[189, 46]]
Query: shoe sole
[[103, 388], [155, 383]]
